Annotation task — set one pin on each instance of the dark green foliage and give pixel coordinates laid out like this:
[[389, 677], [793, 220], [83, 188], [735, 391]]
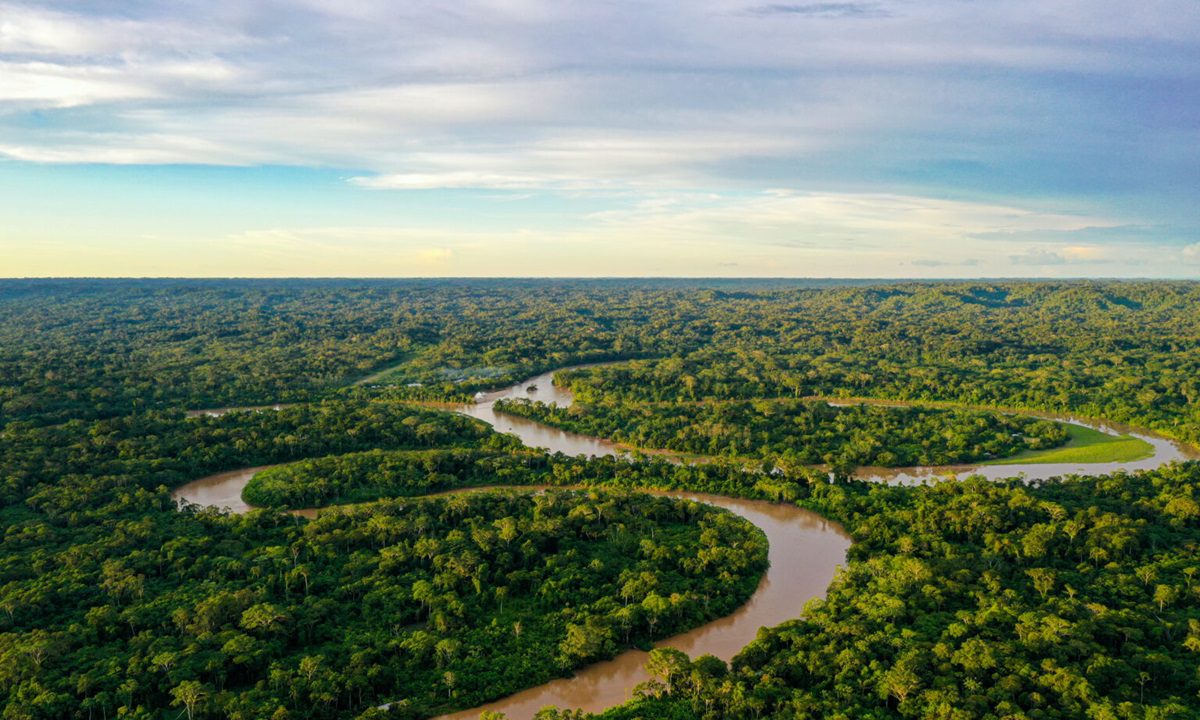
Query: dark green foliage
[[375, 474], [110, 599], [961, 600], [1076, 598], [95, 348], [804, 432], [372, 475], [77, 467], [1126, 351]]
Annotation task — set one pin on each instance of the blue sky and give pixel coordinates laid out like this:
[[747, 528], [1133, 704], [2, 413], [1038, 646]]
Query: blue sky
[[519, 137]]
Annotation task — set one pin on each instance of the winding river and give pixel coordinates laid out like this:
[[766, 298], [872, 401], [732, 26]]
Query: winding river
[[805, 549], [535, 434]]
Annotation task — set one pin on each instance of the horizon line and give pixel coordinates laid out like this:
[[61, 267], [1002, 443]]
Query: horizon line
[[773, 278]]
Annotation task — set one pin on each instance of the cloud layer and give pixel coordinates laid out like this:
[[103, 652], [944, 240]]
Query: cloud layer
[[525, 92], [1063, 107]]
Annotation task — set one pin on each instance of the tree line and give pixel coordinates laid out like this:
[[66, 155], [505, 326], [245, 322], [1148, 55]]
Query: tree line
[[114, 603], [1073, 598], [803, 431], [1125, 351]]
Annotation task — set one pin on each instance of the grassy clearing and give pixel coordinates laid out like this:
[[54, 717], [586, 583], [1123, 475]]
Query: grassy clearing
[[1086, 445], [391, 369]]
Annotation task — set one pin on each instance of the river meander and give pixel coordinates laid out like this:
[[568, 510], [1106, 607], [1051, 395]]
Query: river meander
[[805, 549]]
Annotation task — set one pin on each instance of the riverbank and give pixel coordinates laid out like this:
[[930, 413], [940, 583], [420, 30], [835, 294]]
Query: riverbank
[[809, 557]]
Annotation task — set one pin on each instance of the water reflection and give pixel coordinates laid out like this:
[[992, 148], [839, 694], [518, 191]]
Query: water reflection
[[532, 433]]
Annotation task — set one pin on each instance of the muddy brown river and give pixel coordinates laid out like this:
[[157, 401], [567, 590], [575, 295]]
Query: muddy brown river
[[805, 549]]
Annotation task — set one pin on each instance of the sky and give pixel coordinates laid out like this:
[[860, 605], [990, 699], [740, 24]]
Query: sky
[[376, 138]]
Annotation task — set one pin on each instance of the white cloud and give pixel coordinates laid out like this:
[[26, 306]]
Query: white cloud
[[130, 150], [33, 31], [778, 232], [514, 92], [453, 179], [1038, 258], [840, 219], [46, 85], [1083, 253], [691, 106], [579, 161]]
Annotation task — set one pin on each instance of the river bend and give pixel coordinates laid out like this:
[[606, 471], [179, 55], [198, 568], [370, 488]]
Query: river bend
[[804, 552]]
